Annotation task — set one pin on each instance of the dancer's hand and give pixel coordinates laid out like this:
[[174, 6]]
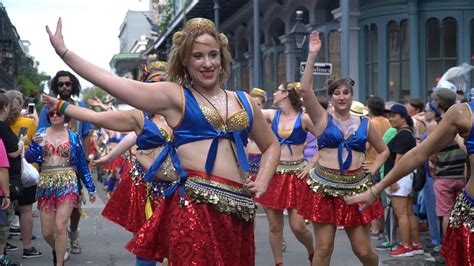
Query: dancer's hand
[[257, 188], [364, 199], [50, 101], [102, 160], [368, 170], [56, 39], [314, 43], [305, 171]]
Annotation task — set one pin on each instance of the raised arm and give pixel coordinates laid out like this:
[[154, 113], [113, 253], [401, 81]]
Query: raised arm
[[437, 140], [268, 144], [152, 97], [315, 111], [122, 121]]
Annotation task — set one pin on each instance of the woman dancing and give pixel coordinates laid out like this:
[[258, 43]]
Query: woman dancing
[[208, 215], [290, 125], [60, 153], [340, 171]]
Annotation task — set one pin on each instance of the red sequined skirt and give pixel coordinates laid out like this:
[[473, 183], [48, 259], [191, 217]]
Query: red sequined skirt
[[323, 201], [285, 189], [458, 243], [115, 164], [208, 230], [126, 207]]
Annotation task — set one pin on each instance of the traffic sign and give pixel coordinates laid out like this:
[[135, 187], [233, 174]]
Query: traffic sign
[[319, 68]]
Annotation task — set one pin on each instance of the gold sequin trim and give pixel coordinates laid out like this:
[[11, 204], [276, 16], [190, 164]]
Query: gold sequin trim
[[290, 167], [237, 121], [462, 214], [57, 178], [333, 183], [225, 198]]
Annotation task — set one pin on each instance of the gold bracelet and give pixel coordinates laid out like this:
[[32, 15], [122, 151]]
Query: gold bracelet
[[372, 193]]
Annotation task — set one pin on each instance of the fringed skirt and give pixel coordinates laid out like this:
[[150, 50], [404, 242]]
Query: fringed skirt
[[57, 186], [128, 204], [214, 226], [285, 189], [324, 200], [458, 243]]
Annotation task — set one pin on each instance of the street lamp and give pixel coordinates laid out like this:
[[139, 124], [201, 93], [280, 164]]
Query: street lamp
[[297, 36], [298, 32]]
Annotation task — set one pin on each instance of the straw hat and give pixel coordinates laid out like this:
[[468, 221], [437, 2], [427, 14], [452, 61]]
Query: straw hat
[[358, 109]]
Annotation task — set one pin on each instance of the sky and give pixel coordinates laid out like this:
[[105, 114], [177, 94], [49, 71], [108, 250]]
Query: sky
[[90, 28]]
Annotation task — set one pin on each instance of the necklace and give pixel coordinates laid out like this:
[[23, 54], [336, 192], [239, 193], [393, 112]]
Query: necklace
[[213, 106]]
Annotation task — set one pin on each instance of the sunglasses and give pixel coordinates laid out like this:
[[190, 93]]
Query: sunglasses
[[51, 114], [67, 83]]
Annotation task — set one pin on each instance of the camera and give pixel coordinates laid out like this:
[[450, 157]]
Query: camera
[[31, 108]]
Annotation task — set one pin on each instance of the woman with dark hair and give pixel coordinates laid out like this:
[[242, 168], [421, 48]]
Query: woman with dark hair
[[416, 110], [290, 125], [400, 193], [60, 153], [340, 170]]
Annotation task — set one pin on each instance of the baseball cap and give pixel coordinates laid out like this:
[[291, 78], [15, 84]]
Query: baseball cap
[[399, 109], [445, 97]]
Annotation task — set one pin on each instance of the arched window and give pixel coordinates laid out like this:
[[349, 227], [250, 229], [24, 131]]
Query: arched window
[[334, 45], [371, 58], [398, 65], [441, 48]]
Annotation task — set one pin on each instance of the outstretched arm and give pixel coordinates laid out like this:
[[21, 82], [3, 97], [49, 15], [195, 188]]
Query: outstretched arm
[[440, 138], [125, 144], [315, 111], [143, 96], [123, 121]]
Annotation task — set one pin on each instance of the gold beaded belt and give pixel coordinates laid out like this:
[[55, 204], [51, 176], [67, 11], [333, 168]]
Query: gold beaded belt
[[57, 177], [463, 212], [285, 167], [225, 198], [334, 183]]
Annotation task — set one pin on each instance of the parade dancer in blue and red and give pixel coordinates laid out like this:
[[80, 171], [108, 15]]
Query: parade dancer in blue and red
[[207, 218], [290, 125], [458, 243], [340, 172]]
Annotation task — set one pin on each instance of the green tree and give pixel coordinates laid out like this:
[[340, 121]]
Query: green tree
[[91, 93], [31, 82]]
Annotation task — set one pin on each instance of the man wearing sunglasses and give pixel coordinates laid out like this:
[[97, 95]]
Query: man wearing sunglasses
[[66, 85]]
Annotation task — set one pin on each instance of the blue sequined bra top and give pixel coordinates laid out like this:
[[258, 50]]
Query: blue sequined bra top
[[333, 137], [470, 141], [297, 136], [152, 137], [202, 122]]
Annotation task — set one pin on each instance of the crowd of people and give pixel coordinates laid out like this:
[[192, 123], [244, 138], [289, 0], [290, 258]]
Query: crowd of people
[[186, 169]]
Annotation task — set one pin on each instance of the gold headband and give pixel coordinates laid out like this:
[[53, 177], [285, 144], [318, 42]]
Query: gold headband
[[257, 92], [157, 66], [199, 23], [296, 86]]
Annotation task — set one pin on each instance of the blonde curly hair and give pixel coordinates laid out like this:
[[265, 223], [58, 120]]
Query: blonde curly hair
[[180, 52]]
